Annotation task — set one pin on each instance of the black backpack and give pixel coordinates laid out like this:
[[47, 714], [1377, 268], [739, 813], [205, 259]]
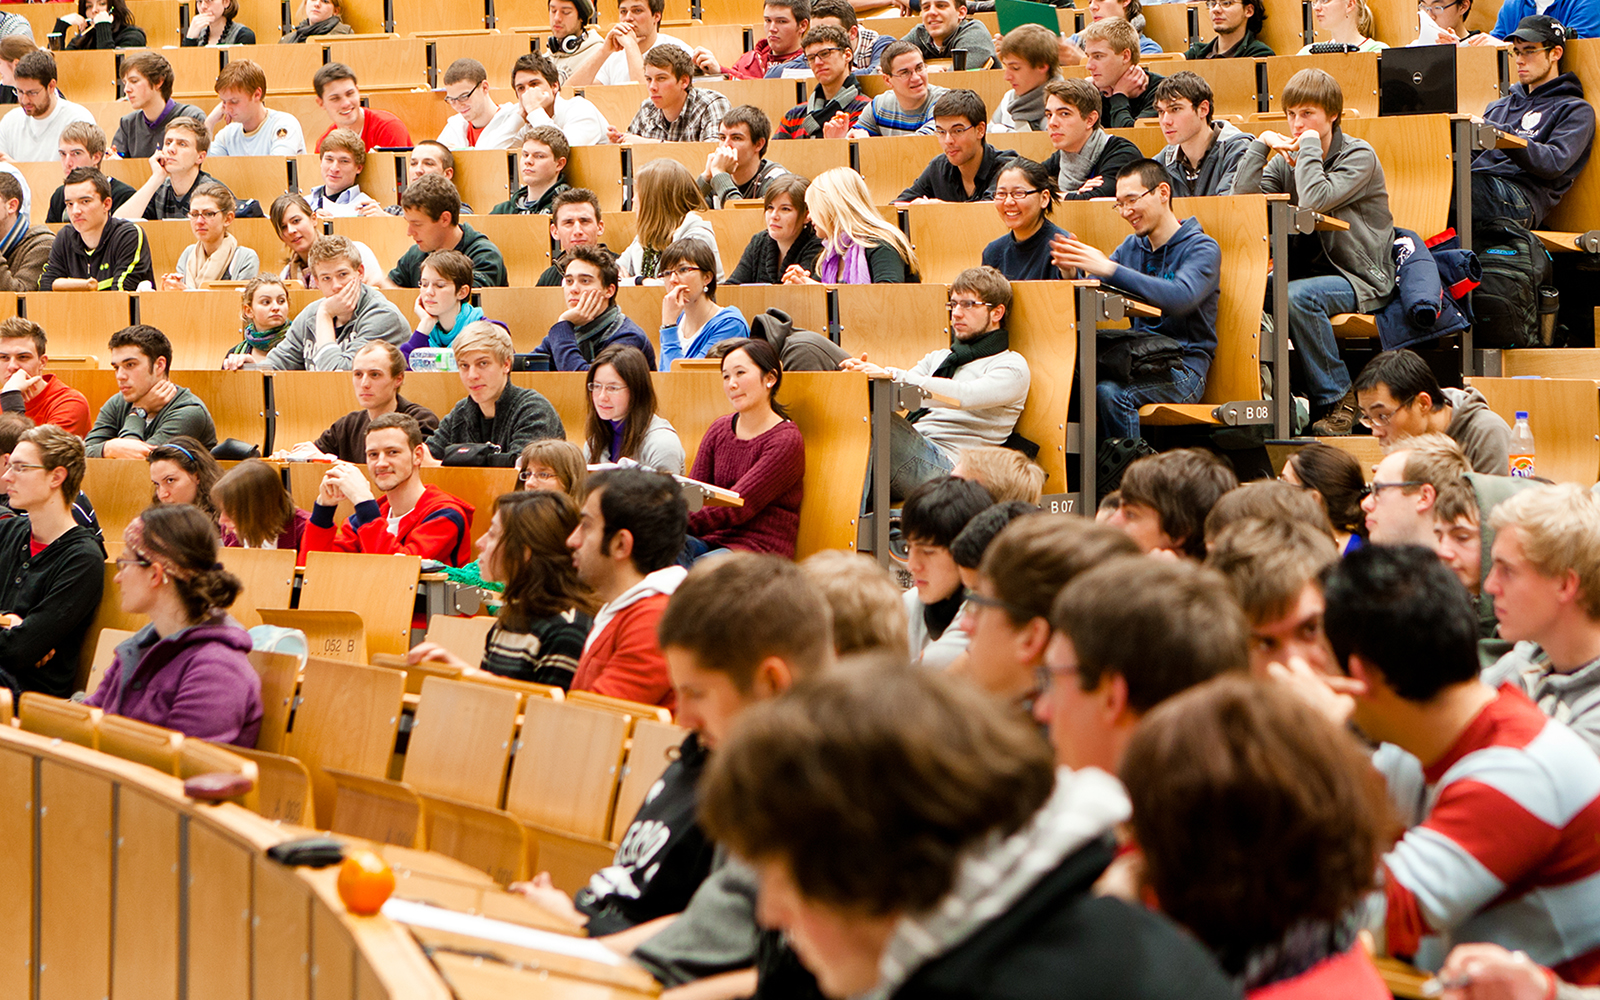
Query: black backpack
[[1505, 305]]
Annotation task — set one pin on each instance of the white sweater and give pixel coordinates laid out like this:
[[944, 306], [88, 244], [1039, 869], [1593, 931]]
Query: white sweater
[[30, 140], [991, 392]]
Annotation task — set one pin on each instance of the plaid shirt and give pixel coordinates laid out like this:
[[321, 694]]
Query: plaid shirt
[[167, 204], [699, 121]]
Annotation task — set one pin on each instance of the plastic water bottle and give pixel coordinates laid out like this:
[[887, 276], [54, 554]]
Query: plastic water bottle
[[1522, 447]]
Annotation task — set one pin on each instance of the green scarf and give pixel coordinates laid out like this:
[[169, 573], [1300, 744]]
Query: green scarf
[[964, 352]]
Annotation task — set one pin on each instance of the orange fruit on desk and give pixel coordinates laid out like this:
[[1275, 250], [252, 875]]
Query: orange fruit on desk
[[365, 881]]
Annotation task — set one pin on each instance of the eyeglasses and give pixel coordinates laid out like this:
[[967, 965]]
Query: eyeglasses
[[973, 597], [26, 466], [607, 389], [1125, 204], [123, 562], [1046, 675], [462, 100], [682, 272], [1017, 195], [1527, 51], [1215, 4], [196, 214], [543, 475], [822, 55], [964, 304], [952, 133], [1373, 488], [1437, 8], [1381, 418], [906, 74]]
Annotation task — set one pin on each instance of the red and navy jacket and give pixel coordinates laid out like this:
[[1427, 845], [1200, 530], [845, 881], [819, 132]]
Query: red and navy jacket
[[438, 527]]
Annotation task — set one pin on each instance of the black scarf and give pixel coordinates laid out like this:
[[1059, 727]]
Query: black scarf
[[819, 111], [938, 616], [964, 352], [305, 29]]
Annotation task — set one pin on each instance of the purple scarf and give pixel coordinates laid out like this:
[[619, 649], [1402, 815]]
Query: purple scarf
[[848, 267]]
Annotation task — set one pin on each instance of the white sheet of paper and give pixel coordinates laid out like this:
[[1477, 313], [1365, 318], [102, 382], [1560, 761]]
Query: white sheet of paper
[[437, 918]]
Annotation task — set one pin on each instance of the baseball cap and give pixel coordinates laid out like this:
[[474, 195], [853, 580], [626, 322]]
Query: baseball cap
[[1541, 29]]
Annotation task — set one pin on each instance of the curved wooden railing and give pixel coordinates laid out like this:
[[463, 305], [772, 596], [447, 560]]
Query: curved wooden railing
[[118, 885]]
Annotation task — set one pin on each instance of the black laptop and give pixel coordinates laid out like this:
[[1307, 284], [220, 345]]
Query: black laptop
[[1417, 80]]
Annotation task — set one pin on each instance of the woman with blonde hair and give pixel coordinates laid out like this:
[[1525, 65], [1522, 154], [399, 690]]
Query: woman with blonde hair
[[539, 633], [295, 222], [1345, 22], [669, 204], [215, 254], [858, 247], [264, 310]]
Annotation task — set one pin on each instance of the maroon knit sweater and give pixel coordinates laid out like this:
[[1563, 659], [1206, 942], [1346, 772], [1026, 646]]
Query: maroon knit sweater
[[767, 472]]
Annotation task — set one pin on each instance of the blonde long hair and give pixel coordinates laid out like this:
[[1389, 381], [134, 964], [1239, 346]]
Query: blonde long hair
[[666, 193], [839, 204]]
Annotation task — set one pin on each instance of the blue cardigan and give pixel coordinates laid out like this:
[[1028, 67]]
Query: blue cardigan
[[728, 322]]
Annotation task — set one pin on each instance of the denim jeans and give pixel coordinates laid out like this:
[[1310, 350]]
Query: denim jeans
[[1118, 404], [1497, 197], [1316, 369], [913, 459]]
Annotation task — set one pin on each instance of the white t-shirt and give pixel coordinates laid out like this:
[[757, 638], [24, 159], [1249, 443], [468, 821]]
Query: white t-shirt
[[615, 69], [578, 119], [278, 135], [31, 140]]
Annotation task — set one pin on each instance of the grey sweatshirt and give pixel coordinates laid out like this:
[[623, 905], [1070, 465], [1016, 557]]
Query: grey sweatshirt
[[186, 414], [1482, 433], [375, 318], [1348, 185], [970, 37], [1217, 168]]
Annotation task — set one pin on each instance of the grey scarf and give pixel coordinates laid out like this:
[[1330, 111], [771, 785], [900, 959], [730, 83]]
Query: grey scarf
[[1075, 167], [593, 334], [1028, 109]]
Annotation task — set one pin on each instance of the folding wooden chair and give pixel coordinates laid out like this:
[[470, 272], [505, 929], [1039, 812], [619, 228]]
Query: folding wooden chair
[[56, 718], [141, 743], [280, 677], [347, 718], [284, 790], [565, 772]]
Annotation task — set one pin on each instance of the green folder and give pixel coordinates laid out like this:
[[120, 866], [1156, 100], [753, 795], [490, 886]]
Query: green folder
[[1013, 14]]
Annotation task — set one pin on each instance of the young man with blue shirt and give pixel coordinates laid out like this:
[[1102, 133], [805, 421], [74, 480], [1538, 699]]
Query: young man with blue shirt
[[1170, 264]]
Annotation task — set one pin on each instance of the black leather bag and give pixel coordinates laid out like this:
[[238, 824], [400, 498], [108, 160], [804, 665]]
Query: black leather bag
[[1127, 356], [470, 454]]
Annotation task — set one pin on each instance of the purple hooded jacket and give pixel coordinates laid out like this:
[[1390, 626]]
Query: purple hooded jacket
[[197, 681]]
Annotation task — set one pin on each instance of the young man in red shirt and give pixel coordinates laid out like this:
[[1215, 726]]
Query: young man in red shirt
[[626, 547], [44, 398], [339, 95], [410, 518]]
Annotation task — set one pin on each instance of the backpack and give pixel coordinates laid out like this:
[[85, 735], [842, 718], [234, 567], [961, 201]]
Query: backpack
[[1515, 265]]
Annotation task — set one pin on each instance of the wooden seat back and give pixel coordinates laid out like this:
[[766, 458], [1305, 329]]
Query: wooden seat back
[[60, 719], [1357, 73], [387, 812], [462, 636], [268, 579], [1415, 151], [82, 324], [381, 589], [599, 168], [651, 748], [807, 305], [347, 719], [119, 490], [491, 840], [209, 320], [1579, 209], [522, 239], [890, 163], [1564, 415], [283, 791], [461, 740], [280, 677], [565, 771], [105, 653], [141, 743], [197, 757], [478, 487], [619, 706]]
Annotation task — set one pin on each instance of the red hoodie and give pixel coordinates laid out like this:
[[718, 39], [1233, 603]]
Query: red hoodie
[[438, 527]]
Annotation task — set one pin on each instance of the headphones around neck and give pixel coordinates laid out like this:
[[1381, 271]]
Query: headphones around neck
[[570, 44]]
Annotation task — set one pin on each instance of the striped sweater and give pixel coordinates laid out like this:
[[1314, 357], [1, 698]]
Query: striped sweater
[[1508, 850]]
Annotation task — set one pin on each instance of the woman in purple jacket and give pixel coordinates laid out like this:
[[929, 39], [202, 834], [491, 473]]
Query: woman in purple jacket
[[186, 670]]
